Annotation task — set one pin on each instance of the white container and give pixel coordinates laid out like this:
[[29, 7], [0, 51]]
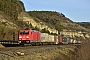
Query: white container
[[71, 41], [74, 41], [44, 37], [51, 38]]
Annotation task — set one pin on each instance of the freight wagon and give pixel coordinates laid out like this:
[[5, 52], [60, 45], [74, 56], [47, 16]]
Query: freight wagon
[[44, 38], [76, 42], [49, 39], [34, 37], [56, 41], [64, 40]]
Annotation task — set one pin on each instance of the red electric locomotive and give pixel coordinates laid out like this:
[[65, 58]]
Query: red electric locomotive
[[28, 36]]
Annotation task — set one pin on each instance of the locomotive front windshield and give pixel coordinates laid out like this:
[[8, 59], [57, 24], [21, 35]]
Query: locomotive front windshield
[[24, 33]]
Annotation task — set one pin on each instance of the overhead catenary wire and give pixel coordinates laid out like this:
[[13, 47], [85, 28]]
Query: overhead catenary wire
[[31, 4]]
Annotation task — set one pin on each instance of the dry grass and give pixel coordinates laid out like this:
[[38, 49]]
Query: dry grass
[[84, 51], [44, 53], [1, 46]]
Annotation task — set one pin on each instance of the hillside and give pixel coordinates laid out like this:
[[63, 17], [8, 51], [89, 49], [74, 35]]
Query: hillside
[[60, 22], [13, 17], [9, 10], [52, 19], [84, 24]]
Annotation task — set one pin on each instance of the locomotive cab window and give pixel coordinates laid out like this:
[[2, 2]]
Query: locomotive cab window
[[21, 32], [26, 32]]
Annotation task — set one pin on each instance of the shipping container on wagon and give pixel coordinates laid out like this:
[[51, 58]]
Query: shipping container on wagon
[[64, 40], [79, 42], [71, 41], [68, 39], [56, 40], [60, 39], [51, 38], [74, 41], [44, 37]]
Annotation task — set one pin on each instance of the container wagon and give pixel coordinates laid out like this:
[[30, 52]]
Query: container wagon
[[47, 39]]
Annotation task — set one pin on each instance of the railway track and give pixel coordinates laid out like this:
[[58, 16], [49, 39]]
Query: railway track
[[9, 42], [36, 47]]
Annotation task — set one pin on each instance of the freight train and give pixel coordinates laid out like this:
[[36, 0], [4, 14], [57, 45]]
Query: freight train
[[33, 37]]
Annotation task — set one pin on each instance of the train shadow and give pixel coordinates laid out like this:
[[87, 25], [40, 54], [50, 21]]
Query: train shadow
[[11, 45]]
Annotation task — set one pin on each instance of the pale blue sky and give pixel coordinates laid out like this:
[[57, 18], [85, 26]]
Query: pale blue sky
[[76, 10]]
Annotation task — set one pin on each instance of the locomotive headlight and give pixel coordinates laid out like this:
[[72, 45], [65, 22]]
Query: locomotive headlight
[[20, 36], [27, 36]]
